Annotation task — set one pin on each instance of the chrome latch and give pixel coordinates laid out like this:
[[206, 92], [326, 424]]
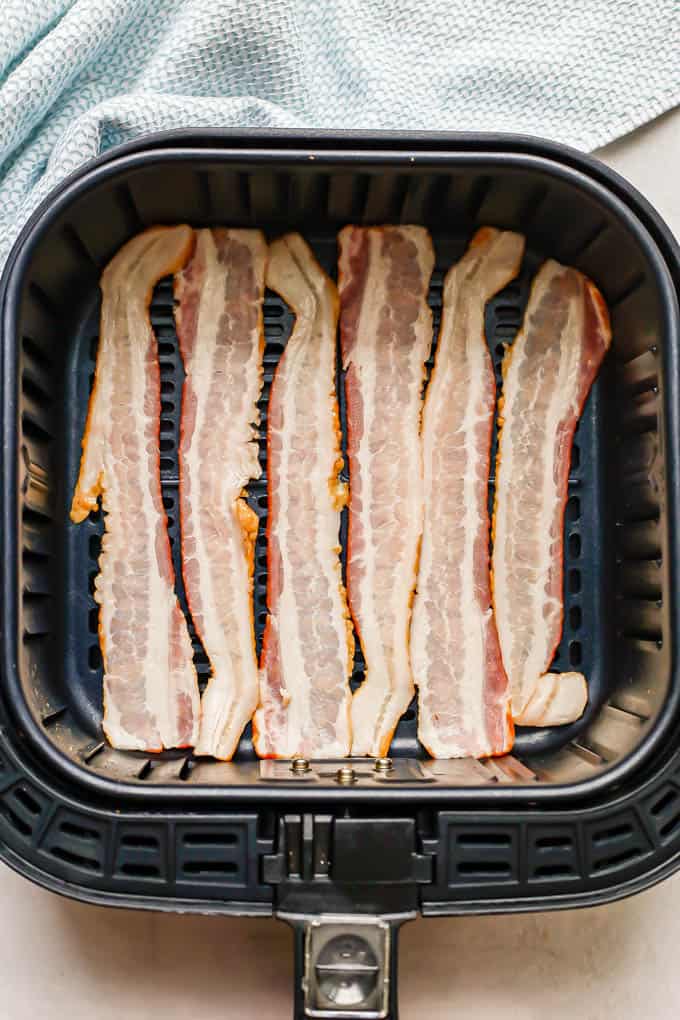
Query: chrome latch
[[346, 967]]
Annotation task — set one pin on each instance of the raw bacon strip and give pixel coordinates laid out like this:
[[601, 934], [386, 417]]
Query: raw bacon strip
[[547, 375], [463, 692], [386, 334], [308, 646], [219, 324], [150, 689]]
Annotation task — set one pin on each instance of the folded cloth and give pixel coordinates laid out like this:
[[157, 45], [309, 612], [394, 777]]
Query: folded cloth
[[78, 76]]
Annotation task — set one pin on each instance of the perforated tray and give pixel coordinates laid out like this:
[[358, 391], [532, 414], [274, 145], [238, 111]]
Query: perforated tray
[[583, 643]]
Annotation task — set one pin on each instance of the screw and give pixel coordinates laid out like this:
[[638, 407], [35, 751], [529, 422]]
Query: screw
[[383, 765], [299, 765], [346, 775]]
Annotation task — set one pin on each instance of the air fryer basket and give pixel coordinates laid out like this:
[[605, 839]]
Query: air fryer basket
[[578, 810]]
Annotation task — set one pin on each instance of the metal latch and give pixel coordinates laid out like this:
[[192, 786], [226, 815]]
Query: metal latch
[[346, 965]]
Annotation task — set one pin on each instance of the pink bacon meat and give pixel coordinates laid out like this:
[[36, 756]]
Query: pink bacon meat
[[386, 335], [219, 324], [150, 689], [547, 375], [463, 691], [308, 646]]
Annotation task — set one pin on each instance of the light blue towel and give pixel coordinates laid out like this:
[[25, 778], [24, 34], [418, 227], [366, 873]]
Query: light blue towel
[[78, 76]]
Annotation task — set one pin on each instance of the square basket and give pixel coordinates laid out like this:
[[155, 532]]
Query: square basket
[[581, 813]]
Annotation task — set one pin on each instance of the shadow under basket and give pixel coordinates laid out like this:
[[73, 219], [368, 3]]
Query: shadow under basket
[[579, 813]]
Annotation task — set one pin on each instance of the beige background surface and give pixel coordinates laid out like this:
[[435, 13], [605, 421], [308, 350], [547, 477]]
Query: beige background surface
[[60, 959]]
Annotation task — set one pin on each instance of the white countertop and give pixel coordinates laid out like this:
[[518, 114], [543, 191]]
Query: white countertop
[[61, 959]]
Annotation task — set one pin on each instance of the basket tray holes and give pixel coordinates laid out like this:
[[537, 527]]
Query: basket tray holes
[[508, 314], [574, 545], [574, 581], [95, 546], [274, 307], [573, 509]]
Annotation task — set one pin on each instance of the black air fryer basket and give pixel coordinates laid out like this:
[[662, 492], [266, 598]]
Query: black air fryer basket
[[580, 814]]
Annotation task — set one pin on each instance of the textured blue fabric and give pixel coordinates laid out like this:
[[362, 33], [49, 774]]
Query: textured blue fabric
[[78, 76]]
